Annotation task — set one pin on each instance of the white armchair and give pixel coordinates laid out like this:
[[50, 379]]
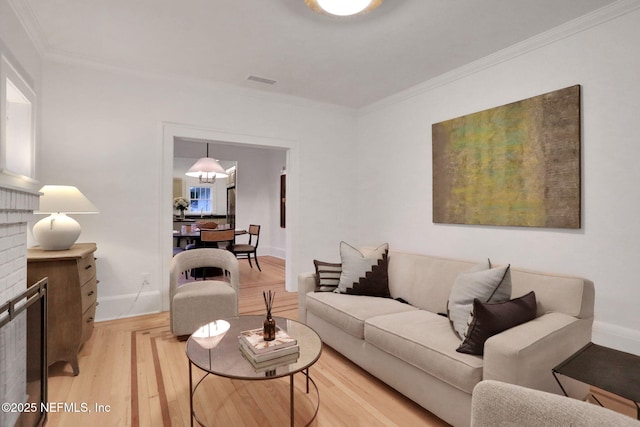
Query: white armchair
[[197, 303]]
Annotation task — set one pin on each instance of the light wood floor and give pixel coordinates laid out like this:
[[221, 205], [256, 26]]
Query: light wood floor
[[138, 373]]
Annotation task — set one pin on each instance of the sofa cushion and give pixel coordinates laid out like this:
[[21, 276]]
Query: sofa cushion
[[327, 275], [425, 340], [489, 319], [364, 273], [487, 285], [349, 312], [425, 281], [555, 293]]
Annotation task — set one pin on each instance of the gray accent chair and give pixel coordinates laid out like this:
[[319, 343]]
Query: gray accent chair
[[496, 404], [194, 304]]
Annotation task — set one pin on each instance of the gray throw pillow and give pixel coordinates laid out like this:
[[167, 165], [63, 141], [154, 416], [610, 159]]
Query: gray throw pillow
[[487, 285], [364, 273], [489, 319]]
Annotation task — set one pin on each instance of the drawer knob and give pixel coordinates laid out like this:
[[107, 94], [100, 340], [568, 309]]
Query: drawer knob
[[88, 267], [90, 293], [90, 319]]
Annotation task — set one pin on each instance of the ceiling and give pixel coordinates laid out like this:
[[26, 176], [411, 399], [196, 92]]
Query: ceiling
[[347, 61]]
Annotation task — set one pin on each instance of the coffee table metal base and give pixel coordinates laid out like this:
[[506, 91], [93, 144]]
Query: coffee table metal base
[[309, 380]]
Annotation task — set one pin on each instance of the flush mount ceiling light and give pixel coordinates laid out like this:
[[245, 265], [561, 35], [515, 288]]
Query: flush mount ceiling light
[[343, 7]]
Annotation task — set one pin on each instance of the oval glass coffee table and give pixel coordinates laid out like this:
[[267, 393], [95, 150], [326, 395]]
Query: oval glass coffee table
[[226, 360]]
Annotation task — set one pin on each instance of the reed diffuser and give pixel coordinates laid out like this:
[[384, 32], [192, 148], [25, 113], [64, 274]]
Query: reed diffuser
[[269, 330]]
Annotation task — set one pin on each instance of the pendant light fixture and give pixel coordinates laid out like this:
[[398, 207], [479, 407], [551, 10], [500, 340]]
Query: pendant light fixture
[[207, 169]]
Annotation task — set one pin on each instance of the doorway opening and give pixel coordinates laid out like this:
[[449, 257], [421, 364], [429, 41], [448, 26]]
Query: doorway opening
[[269, 154]]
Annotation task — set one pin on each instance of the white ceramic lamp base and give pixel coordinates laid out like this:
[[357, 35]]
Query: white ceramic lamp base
[[56, 232]]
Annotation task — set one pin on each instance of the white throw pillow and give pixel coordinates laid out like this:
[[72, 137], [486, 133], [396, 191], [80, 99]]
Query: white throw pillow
[[488, 285], [364, 273]]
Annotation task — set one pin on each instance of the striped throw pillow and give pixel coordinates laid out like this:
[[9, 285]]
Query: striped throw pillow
[[327, 275]]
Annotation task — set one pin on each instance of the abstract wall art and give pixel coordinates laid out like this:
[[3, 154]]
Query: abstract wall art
[[514, 165]]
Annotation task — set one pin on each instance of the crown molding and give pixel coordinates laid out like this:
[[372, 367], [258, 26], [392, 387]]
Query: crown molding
[[575, 26], [28, 20], [63, 57]]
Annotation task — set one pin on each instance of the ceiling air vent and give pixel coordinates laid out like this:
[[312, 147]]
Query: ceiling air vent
[[261, 80]]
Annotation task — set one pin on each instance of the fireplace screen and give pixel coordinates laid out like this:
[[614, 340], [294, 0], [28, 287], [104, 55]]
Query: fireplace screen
[[23, 323]]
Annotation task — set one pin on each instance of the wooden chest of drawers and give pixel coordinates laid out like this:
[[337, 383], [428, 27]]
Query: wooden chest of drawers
[[72, 293]]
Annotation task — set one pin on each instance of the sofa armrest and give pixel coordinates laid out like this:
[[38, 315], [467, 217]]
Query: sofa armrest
[[525, 355], [306, 283], [497, 404]]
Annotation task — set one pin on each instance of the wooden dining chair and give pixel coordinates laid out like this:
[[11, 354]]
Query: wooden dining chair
[[217, 239], [251, 247], [211, 225], [223, 239]]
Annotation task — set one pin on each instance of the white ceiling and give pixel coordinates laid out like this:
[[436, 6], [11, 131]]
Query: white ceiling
[[346, 61]]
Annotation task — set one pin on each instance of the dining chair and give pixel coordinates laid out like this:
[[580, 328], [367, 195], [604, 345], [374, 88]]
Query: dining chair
[[218, 239], [194, 304], [245, 250], [211, 225], [223, 239]]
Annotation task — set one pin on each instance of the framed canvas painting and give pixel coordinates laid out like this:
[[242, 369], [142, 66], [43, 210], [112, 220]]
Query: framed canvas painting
[[514, 165]]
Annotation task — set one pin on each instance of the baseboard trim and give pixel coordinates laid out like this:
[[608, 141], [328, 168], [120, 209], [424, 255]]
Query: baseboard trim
[[130, 305], [277, 252], [618, 337]]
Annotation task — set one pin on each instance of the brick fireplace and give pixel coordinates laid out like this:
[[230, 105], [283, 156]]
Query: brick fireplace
[[16, 209]]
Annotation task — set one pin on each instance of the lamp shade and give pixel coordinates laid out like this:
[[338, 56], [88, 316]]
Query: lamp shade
[[207, 168], [58, 231], [64, 198], [210, 335]]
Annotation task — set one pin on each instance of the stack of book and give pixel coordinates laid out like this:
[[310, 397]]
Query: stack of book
[[268, 354]]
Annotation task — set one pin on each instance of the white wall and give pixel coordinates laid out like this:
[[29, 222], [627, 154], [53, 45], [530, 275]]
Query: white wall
[[395, 136], [258, 194], [18, 47], [103, 132]]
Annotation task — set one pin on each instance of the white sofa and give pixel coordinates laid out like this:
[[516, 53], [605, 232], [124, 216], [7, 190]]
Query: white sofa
[[413, 348], [496, 403]]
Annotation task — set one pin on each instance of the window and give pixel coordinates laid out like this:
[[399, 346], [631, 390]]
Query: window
[[200, 199], [17, 141]]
